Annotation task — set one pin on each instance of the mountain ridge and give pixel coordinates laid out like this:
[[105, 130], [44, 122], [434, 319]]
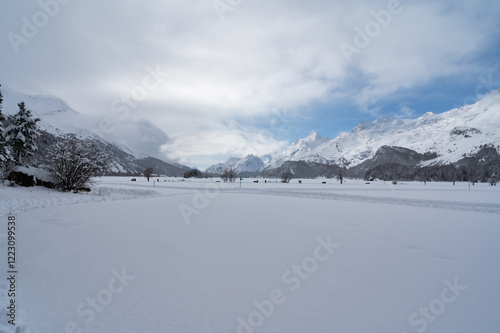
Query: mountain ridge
[[448, 136]]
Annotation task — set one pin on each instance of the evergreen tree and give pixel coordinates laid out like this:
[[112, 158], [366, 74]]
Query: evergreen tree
[[22, 134], [4, 151]]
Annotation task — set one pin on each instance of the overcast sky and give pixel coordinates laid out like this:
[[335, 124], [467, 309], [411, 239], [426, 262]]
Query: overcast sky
[[233, 77]]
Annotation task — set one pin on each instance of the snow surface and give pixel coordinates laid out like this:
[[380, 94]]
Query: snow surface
[[201, 256]]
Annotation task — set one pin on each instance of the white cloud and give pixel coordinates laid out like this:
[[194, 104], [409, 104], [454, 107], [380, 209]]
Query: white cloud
[[404, 112], [427, 41], [262, 56]]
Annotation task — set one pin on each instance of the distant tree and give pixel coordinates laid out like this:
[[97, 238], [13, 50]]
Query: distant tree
[[341, 174], [473, 171], [286, 176], [22, 134], [342, 170], [148, 173], [231, 175], [193, 173], [454, 175], [225, 176], [72, 163]]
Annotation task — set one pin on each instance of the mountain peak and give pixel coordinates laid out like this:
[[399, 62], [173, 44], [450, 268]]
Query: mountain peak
[[313, 136], [42, 105]]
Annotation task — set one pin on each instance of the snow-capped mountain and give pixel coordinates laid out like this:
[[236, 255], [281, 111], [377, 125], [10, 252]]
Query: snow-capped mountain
[[447, 137], [58, 119], [450, 135], [248, 164], [301, 150]]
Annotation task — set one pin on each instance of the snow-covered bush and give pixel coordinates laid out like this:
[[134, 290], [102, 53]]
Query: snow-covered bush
[[72, 163]]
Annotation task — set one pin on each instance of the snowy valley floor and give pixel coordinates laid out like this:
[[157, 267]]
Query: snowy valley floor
[[201, 256]]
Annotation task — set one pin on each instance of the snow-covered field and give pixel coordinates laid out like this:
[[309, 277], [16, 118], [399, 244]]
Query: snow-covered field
[[201, 256]]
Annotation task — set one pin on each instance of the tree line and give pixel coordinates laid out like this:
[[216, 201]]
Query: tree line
[[483, 167]]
